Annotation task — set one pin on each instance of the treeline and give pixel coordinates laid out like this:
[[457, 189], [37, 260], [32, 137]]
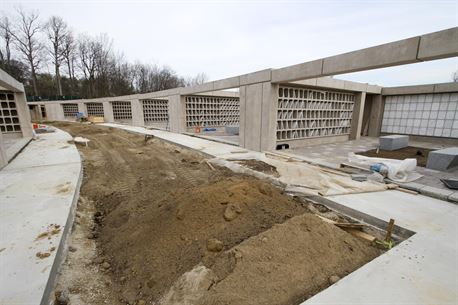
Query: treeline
[[82, 65]]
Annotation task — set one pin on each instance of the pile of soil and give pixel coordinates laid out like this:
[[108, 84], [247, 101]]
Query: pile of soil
[[284, 265], [421, 154], [159, 211], [151, 249]]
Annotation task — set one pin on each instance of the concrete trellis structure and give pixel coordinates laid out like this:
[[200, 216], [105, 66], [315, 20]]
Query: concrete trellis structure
[[269, 118]]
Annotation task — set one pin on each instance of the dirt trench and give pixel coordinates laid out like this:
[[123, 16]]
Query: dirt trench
[[150, 212]]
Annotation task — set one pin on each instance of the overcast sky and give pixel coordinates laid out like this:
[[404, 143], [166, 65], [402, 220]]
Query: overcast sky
[[228, 38]]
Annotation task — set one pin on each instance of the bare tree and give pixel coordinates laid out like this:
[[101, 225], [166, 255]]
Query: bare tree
[[94, 55], [455, 77], [199, 79], [87, 58], [69, 56], [57, 31], [5, 32], [26, 39]]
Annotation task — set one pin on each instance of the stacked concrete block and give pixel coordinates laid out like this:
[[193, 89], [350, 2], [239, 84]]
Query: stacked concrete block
[[443, 159], [233, 130], [393, 142], [305, 113]]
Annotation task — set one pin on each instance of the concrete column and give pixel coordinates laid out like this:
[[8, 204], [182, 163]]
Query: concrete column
[[3, 160], [54, 112], [258, 106], [177, 113], [82, 108], [137, 113], [23, 114], [376, 116], [108, 112], [357, 119]]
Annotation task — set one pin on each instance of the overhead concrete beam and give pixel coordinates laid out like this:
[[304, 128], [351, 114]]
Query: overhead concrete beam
[[442, 44], [394, 53], [438, 45], [306, 70]]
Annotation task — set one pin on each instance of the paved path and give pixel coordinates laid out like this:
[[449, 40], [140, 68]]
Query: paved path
[[37, 189]]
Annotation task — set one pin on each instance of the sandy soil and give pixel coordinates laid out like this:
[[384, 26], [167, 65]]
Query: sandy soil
[[421, 154], [151, 213]]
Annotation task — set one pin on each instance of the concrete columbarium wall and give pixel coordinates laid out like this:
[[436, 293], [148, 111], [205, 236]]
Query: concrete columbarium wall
[[434, 114], [305, 113], [122, 111], [211, 111], [156, 112]]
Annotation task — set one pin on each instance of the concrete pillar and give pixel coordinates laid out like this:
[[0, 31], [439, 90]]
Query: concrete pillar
[[23, 114], [258, 112], [177, 113], [137, 113], [357, 119], [3, 160], [54, 112], [108, 112], [82, 108], [376, 116]]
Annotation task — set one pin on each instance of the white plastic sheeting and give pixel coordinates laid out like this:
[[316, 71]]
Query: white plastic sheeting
[[303, 177], [398, 170]]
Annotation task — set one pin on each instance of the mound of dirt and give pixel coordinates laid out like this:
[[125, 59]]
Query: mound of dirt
[[176, 232], [284, 265], [421, 154]]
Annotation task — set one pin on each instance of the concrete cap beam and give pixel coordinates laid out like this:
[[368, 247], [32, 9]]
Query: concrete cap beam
[[421, 89]]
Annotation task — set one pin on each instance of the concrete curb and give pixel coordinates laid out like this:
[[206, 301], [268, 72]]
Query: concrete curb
[[62, 249], [434, 192]]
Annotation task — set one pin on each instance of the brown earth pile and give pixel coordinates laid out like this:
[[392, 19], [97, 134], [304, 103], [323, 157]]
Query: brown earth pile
[[421, 154], [284, 265], [161, 211]]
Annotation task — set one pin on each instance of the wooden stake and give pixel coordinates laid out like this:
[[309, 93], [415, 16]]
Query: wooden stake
[[389, 230], [209, 165]]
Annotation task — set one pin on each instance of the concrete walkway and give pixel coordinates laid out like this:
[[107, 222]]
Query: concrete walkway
[[207, 147], [37, 195], [421, 270]]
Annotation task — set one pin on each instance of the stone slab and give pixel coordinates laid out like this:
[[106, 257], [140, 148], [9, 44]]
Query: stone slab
[[393, 142], [233, 130], [443, 159]]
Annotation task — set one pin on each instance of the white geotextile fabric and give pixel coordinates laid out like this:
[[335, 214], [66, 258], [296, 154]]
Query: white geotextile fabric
[[398, 170], [306, 178]]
